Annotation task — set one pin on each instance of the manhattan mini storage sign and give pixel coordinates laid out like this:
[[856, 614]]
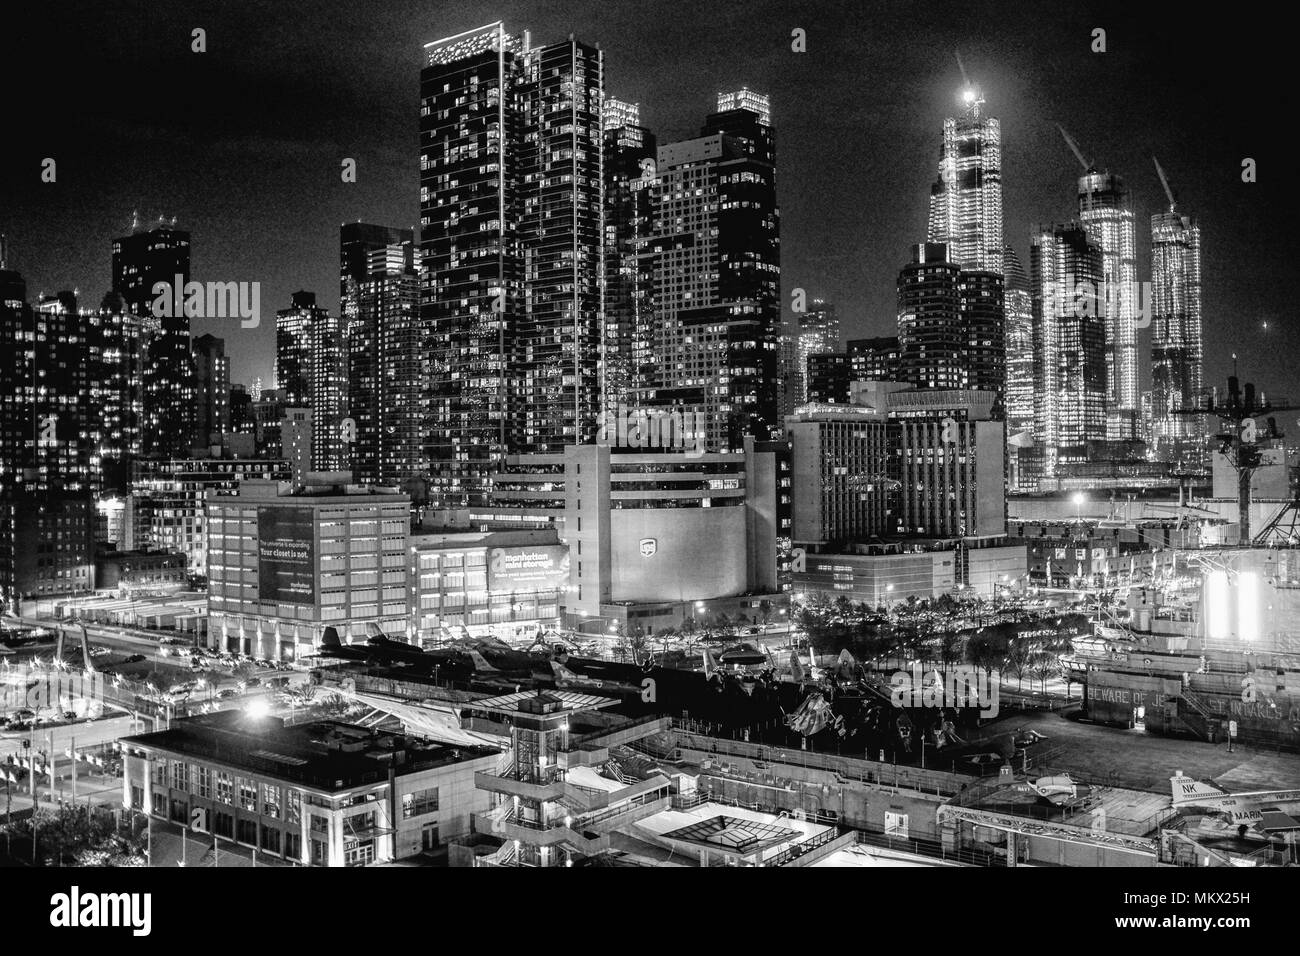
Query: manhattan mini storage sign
[[285, 565], [528, 569]]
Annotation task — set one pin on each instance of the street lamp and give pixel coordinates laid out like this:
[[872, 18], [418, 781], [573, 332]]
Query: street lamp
[[1078, 499]]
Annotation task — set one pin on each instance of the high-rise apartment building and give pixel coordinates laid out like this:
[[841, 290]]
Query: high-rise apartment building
[[950, 323], [875, 359], [819, 333], [148, 265], [384, 348], [119, 340], [211, 389], [627, 356], [717, 273], [309, 367], [46, 516], [511, 259]]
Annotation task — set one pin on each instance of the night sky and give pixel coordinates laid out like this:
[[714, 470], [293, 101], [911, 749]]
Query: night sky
[[243, 143]]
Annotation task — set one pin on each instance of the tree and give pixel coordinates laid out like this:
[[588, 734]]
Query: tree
[[1019, 656], [988, 647], [1044, 665], [80, 835], [950, 645]]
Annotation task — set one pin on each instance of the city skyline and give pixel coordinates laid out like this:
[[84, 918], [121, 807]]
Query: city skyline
[[848, 260]]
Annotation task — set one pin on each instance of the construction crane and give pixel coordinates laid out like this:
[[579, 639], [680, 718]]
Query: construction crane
[[1074, 148], [1239, 412], [1164, 181]]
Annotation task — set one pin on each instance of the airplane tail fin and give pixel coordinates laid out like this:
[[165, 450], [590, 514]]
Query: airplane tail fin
[[480, 662], [561, 672], [709, 666], [1187, 791], [330, 638]]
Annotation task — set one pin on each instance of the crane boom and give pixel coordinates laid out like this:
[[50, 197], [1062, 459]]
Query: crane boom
[[1074, 147], [965, 80], [1164, 181]]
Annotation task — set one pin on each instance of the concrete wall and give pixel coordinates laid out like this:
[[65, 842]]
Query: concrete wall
[[458, 799], [699, 553]]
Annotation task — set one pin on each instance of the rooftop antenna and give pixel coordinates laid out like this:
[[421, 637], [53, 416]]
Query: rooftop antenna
[[1164, 181], [1074, 148]]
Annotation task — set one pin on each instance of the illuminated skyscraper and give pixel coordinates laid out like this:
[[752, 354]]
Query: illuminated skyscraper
[[717, 274], [511, 264], [141, 261], [966, 200], [384, 351], [1019, 338], [1108, 220], [627, 349], [1176, 354], [309, 367], [950, 323], [212, 390], [119, 340], [819, 333], [46, 523], [1069, 340]]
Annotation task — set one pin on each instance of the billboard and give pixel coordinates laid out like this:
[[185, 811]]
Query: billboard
[[285, 560], [525, 568]]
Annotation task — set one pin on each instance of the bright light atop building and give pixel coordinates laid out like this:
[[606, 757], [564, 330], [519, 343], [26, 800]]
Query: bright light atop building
[[257, 708], [1248, 606], [968, 96], [1216, 605]]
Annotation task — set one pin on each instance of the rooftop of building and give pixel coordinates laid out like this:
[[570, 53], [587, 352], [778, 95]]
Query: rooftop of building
[[319, 488], [542, 703], [328, 755], [430, 538]]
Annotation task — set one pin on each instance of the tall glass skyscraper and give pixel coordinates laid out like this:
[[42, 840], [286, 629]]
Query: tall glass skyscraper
[[966, 199], [1176, 355], [1106, 216], [718, 272], [309, 367], [950, 324], [384, 351], [627, 357], [1069, 345], [1019, 339], [141, 261], [511, 261], [819, 333]]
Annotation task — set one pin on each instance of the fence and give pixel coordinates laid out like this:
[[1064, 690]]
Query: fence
[[846, 769]]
